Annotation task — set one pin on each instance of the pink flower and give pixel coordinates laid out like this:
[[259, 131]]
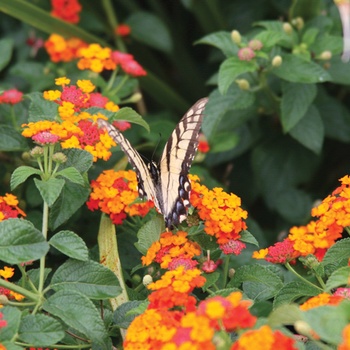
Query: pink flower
[[246, 54], [133, 68], [343, 292], [11, 96], [122, 125], [344, 11], [232, 247], [97, 100], [45, 137], [187, 263], [255, 44], [210, 266], [120, 57]]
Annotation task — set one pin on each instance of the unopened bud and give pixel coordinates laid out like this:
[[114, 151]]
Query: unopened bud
[[3, 299], [304, 328], [136, 97], [277, 61], [255, 44], [59, 158], [287, 28], [325, 55], [298, 22], [231, 272], [236, 37], [243, 84], [37, 152], [147, 279]]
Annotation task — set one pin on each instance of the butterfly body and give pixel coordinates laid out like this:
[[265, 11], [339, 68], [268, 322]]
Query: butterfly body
[[167, 183]]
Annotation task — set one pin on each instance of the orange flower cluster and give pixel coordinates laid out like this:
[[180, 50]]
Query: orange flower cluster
[[173, 329], [75, 128], [9, 207], [320, 300], [319, 235], [172, 250], [264, 338], [6, 273], [221, 211], [68, 10], [345, 345], [114, 193], [61, 49]]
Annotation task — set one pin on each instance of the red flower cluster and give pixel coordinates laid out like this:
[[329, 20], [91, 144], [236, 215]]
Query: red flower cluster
[[68, 10], [123, 30], [128, 64], [11, 96], [9, 207]]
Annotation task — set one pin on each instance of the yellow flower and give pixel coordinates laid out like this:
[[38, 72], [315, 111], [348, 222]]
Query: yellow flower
[[86, 86], [52, 95], [62, 81], [7, 272]]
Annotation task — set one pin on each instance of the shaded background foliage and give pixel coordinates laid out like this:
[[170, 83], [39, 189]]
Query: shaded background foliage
[[277, 178]]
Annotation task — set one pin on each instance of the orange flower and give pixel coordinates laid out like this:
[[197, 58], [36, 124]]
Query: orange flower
[[6, 273], [9, 207], [345, 345], [220, 211], [114, 192], [68, 10], [321, 299]]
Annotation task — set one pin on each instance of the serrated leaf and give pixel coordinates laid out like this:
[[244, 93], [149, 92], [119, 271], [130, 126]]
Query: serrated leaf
[[247, 237], [6, 48], [292, 291], [11, 140], [309, 131], [50, 189], [270, 38], [340, 277], [33, 275], [130, 115], [210, 278], [21, 174], [21, 241], [337, 255], [70, 244], [149, 233], [285, 315], [222, 41], [150, 30], [87, 277], [78, 312], [12, 316], [258, 282], [296, 100], [41, 109], [71, 174], [127, 312], [298, 70], [230, 69], [40, 330], [77, 158]]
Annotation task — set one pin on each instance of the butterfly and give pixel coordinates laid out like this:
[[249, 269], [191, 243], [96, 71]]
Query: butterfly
[[167, 183]]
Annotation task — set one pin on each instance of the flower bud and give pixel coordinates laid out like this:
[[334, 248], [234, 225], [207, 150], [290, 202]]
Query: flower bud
[[136, 97], [255, 44], [37, 152], [59, 158], [147, 279], [246, 54], [287, 28], [277, 61], [325, 55], [298, 22], [236, 37], [304, 328], [3, 299], [231, 272], [243, 84]]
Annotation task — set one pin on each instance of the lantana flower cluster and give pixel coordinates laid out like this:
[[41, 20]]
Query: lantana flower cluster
[[68, 10], [114, 193], [332, 217], [11, 96], [9, 207], [6, 273], [221, 212], [75, 127]]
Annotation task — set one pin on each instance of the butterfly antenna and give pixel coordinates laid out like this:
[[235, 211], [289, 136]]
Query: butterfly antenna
[[155, 148]]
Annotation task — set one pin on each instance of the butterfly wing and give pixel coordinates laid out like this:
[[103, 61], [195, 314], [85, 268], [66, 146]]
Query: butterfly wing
[[146, 186], [174, 186]]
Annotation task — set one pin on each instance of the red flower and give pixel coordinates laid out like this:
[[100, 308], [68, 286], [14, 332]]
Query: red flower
[[11, 96], [68, 10], [123, 30]]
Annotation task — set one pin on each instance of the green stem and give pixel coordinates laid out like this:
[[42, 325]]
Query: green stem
[[225, 273], [13, 117], [320, 281], [347, 229], [287, 265], [26, 278], [18, 289], [120, 85], [56, 346], [111, 80]]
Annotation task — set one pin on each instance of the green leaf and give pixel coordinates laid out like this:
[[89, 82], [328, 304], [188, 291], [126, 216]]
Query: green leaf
[[71, 174], [11, 140], [309, 36], [328, 322], [21, 174], [337, 256], [327, 42], [78, 312], [298, 70], [292, 291], [302, 8], [130, 115], [13, 317], [258, 282], [338, 278], [11, 346], [293, 204], [125, 313], [230, 69], [72, 197], [33, 275], [6, 48], [222, 41], [38, 18], [87, 277], [149, 29], [247, 237], [70, 244], [296, 100], [21, 242], [270, 38], [223, 141], [41, 109], [309, 131], [210, 278], [219, 105], [339, 71], [285, 315], [40, 330], [149, 233], [50, 189], [77, 158]]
